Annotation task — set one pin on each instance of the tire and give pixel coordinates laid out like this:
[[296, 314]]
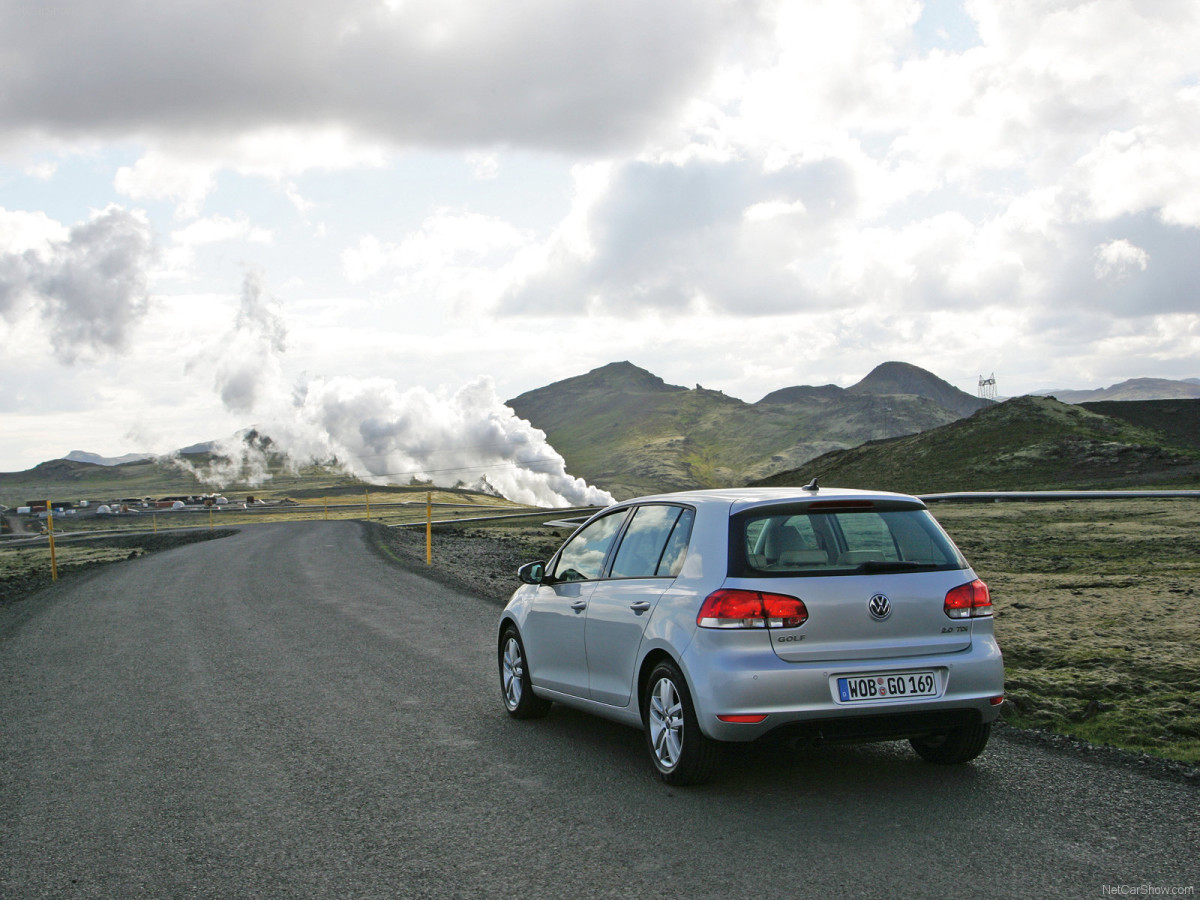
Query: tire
[[681, 753], [958, 745], [515, 688]]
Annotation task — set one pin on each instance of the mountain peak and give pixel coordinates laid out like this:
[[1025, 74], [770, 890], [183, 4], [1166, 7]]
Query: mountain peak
[[905, 378], [613, 378], [626, 376]]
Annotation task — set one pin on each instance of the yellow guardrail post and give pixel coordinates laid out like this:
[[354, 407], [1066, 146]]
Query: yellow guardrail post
[[368, 496], [429, 529], [210, 521], [50, 532], [326, 509]]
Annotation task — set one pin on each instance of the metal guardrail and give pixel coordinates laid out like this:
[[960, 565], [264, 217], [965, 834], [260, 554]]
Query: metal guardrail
[[1007, 496], [530, 514]]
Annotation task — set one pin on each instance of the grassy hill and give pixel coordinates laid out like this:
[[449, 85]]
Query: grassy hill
[[64, 479], [1027, 443], [628, 431], [1177, 420]]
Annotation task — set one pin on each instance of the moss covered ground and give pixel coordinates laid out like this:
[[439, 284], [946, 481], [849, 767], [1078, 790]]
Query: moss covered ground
[[1098, 615]]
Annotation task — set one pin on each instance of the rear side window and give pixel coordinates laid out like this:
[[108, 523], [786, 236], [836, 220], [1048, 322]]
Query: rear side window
[[672, 559], [654, 544], [839, 539]]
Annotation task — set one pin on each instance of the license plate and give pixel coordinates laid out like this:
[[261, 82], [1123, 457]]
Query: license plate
[[860, 688]]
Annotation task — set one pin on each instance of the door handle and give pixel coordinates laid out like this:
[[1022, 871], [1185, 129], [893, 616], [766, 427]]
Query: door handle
[[641, 606], [579, 605]]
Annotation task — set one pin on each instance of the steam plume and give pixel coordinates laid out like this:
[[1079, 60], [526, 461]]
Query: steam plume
[[376, 430]]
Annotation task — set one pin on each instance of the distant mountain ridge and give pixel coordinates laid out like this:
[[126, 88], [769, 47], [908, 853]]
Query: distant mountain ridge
[[628, 431], [97, 460], [1132, 389]]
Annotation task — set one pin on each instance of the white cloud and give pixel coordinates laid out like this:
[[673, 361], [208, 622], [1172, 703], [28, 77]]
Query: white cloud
[[1118, 259], [455, 260], [1147, 167], [185, 171], [485, 166], [432, 71], [22, 230], [158, 176], [42, 170], [179, 258], [220, 228], [89, 288]]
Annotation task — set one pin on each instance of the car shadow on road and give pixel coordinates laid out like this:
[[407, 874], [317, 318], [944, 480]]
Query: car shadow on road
[[593, 747]]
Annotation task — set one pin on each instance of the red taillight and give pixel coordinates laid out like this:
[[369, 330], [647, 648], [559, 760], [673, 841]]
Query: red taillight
[[969, 601], [744, 720], [731, 608]]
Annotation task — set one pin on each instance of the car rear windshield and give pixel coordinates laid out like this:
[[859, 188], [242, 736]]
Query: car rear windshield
[[838, 538]]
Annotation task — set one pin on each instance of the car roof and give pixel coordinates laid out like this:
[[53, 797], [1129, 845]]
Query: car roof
[[748, 497]]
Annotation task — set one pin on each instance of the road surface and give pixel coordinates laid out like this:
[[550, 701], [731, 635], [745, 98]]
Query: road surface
[[282, 713]]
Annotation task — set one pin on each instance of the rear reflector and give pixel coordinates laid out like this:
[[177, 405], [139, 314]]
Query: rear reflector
[[743, 720], [996, 701]]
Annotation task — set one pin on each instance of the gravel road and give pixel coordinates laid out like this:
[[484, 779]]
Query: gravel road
[[284, 713]]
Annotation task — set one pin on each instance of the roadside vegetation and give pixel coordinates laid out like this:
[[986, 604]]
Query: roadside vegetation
[[1098, 615]]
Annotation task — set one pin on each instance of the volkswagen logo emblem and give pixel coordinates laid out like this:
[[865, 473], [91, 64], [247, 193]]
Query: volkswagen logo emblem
[[880, 607]]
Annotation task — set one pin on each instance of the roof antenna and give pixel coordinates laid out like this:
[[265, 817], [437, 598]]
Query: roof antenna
[[812, 486]]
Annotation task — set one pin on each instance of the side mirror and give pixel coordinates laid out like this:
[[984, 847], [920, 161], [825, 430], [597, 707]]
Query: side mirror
[[532, 573]]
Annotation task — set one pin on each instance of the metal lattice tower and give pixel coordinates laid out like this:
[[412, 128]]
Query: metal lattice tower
[[987, 387]]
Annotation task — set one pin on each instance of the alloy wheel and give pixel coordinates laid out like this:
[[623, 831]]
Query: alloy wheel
[[666, 723], [513, 670]]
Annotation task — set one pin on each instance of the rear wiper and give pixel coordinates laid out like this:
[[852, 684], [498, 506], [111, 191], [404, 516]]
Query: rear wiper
[[897, 565]]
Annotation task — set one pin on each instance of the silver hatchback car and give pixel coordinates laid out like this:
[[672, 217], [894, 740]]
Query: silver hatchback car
[[810, 614]]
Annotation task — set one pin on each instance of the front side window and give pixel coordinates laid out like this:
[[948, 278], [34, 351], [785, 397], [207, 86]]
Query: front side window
[[839, 539], [582, 559]]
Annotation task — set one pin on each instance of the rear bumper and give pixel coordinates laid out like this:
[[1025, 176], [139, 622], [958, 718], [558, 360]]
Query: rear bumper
[[800, 699]]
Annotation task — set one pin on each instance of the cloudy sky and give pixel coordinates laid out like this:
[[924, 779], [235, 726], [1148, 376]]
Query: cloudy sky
[[359, 219]]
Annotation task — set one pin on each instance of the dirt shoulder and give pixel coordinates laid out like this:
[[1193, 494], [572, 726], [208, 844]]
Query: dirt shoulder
[[479, 560]]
